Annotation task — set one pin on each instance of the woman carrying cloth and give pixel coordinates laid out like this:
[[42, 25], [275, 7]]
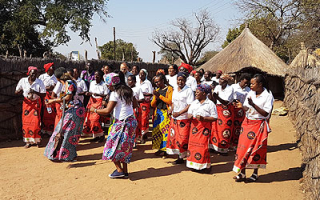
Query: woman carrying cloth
[[252, 146], [162, 100], [64, 140], [147, 90], [178, 136], [98, 90], [202, 112], [223, 129], [120, 141], [32, 89]]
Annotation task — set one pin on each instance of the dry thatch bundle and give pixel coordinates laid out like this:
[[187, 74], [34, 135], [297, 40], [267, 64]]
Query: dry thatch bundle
[[305, 59], [247, 51]]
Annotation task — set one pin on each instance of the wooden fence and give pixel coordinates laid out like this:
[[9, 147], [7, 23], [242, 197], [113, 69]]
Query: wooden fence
[[302, 97], [12, 70]]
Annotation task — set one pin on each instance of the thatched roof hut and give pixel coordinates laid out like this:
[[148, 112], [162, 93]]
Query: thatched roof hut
[[305, 59], [248, 54]]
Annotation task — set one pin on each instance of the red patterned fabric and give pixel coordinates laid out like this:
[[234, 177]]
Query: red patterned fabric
[[178, 137], [198, 156], [31, 120], [58, 114], [252, 147], [48, 119], [137, 114], [239, 116], [143, 121], [92, 122], [221, 138]]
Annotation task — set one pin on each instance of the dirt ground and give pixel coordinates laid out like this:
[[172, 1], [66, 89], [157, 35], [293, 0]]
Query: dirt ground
[[27, 174]]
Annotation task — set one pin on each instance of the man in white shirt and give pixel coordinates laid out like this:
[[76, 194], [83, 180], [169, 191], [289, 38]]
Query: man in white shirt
[[207, 78], [125, 70], [217, 77]]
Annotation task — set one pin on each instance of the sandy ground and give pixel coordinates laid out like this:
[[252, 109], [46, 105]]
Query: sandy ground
[[27, 174]]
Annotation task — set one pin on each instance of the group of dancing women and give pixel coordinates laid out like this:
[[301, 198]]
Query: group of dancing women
[[193, 114]]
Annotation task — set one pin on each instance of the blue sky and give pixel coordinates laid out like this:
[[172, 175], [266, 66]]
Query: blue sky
[[135, 21]]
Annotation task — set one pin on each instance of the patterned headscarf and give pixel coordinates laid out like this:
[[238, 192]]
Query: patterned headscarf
[[183, 74], [145, 71], [226, 77], [204, 88], [112, 79], [31, 68]]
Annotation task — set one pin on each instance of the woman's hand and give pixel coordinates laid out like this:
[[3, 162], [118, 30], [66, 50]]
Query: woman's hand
[[92, 109], [88, 94], [176, 114], [237, 104], [250, 101], [156, 93], [199, 118], [49, 101]]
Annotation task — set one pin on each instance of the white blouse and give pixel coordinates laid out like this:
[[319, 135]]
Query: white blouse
[[239, 93], [137, 93], [121, 110], [191, 83], [81, 87], [226, 94], [264, 101], [206, 109], [98, 88], [48, 80], [37, 86], [145, 86], [181, 99], [172, 80]]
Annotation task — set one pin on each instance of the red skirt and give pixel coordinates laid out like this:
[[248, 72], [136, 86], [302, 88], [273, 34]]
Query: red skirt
[[48, 119], [58, 114], [137, 114], [143, 121], [221, 138], [239, 116], [178, 137], [31, 120], [92, 124], [198, 156], [252, 146]]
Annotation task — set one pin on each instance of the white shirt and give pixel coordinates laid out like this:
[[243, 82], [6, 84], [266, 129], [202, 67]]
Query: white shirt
[[172, 80], [239, 93], [98, 88], [137, 79], [37, 86], [137, 93], [145, 86], [58, 88], [48, 80], [121, 110], [207, 82], [181, 99], [191, 83], [264, 101], [206, 109], [81, 87], [226, 94], [215, 79]]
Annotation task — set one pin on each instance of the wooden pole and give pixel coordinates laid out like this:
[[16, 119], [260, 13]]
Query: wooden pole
[[114, 43], [154, 56]]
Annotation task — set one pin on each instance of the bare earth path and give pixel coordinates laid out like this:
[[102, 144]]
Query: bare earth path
[[27, 174]]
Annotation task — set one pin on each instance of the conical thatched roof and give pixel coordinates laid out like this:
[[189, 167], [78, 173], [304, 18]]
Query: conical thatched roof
[[304, 59], [246, 51]]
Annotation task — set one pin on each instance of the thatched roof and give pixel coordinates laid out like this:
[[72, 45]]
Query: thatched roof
[[305, 59], [246, 51]]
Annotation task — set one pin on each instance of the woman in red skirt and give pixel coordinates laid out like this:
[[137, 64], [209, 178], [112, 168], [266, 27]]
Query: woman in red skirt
[[32, 89], [252, 146], [223, 97], [178, 136], [202, 112]]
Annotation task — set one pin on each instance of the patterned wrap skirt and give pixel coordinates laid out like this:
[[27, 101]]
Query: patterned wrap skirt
[[62, 145], [160, 129], [178, 137], [252, 146], [143, 121], [120, 141], [92, 125], [239, 116], [221, 137], [198, 156], [48, 118], [31, 129]]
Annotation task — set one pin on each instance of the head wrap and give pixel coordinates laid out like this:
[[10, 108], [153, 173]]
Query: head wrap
[[160, 71], [31, 68], [145, 71], [226, 77], [204, 88], [183, 74], [112, 79], [219, 72], [186, 66], [47, 66]]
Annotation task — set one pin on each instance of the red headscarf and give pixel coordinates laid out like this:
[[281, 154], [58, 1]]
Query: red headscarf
[[193, 71], [31, 68], [219, 72], [47, 66], [186, 66]]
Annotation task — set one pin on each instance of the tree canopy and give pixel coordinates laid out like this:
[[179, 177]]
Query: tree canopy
[[124, 51], [38, 25]]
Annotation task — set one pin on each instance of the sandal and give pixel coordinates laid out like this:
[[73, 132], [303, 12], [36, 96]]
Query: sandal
[[240, 177], [160, 153], [27, 146], [253, 178]]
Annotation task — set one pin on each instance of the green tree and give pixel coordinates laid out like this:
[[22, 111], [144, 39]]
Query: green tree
[[124, 50], [232, 35], [38, 25]]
